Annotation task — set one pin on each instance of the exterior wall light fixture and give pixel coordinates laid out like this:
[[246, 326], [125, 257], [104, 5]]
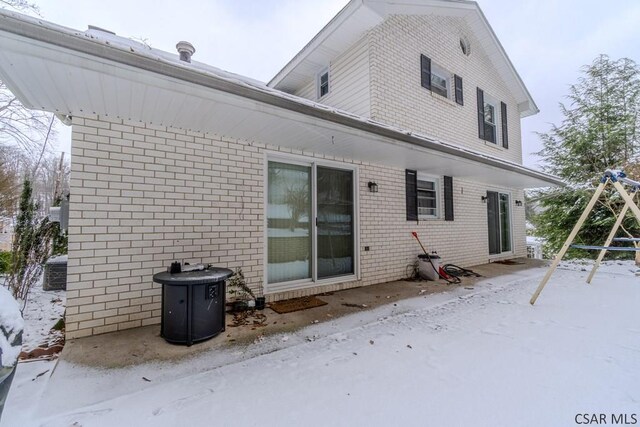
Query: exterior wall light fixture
[[484, 199], [518, 202], [373, 187]]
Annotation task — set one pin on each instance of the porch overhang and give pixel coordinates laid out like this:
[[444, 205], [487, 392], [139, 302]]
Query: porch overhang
[[66, 72]]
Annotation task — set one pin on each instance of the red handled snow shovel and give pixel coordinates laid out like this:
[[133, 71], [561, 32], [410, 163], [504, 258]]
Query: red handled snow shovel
[[441, 273]]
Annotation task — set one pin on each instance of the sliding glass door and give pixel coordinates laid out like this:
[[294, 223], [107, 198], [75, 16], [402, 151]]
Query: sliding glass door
[[499, 217], [289, 231], [311, 223], [335, 224]]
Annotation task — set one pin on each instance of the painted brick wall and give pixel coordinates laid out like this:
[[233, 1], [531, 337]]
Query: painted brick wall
[[398, 98], [389, 80], [143, 196]]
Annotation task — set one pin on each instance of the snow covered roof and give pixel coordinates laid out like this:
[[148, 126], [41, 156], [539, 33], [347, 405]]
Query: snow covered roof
[[359, 16], [81, 73]]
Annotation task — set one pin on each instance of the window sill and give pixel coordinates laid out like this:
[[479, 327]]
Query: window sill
[[428, 218], [443, 99], [495, 146]]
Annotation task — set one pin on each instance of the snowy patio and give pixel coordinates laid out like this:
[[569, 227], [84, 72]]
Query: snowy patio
[[480, 356]]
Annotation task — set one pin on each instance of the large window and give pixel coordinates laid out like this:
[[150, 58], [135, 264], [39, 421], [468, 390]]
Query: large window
[[311, 223]]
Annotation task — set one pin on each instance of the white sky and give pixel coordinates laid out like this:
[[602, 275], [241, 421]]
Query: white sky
[[547, 40]]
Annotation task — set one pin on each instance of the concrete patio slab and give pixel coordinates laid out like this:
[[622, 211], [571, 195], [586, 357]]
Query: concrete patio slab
[[143, 345]]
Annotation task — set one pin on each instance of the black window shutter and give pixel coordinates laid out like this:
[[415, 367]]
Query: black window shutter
[[481, 114], [505, 133], [411, 183], [425, 72], [448, 198], [458, 83]]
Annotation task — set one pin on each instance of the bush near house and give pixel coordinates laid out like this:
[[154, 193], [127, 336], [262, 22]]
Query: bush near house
[[5, 259]]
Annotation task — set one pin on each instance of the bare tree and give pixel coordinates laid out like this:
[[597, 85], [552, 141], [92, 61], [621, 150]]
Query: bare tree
[[9, 181], [49, 174], [20, 126]]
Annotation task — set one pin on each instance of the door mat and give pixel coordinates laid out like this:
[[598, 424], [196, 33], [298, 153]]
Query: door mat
[[510, 262], [296, 304]]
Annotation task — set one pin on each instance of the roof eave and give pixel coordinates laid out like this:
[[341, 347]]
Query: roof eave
[[532, 107], [526, 100], [48, 36], [322, 35]]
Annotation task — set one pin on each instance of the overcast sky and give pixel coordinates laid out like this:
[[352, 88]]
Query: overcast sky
[[547, 40]]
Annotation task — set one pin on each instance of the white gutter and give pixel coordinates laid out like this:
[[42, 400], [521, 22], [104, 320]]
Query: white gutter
[[53, 35]]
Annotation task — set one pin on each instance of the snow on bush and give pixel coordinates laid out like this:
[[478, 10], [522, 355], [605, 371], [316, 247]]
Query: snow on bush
[[11, 326]]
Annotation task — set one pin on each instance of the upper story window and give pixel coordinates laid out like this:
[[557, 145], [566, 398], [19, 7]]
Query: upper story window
[[492, 120], [323, 83], [490, 133], [440, 81]]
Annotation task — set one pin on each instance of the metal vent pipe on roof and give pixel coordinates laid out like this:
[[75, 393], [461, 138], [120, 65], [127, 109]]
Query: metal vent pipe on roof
[[185, 49]]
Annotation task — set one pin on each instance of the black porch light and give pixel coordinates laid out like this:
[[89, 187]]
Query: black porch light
[[373, 187]]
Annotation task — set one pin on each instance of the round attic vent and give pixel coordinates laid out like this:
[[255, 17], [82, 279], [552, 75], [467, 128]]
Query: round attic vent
[[465, 46]]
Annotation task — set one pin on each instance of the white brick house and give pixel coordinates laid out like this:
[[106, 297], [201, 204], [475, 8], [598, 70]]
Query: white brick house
[[181, 161]]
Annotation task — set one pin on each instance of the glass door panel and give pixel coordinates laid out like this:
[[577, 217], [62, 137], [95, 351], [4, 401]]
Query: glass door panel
[[493, 216], [289, 250], [335, 222], [499, 216], [505, 223]]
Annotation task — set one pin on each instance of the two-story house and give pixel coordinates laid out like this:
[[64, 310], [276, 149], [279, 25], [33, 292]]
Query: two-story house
[[396, 117]]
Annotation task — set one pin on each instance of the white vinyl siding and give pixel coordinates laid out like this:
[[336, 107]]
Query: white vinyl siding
[[349, 82]]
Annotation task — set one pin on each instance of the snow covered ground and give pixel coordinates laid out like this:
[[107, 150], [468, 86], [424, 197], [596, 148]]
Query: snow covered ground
[[44, 309], [480, 357]]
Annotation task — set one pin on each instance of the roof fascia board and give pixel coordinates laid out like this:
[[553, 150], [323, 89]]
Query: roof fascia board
[[50, 36], [382, 5]]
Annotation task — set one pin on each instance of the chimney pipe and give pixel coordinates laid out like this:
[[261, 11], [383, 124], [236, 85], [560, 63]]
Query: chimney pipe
[[185, 49]]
